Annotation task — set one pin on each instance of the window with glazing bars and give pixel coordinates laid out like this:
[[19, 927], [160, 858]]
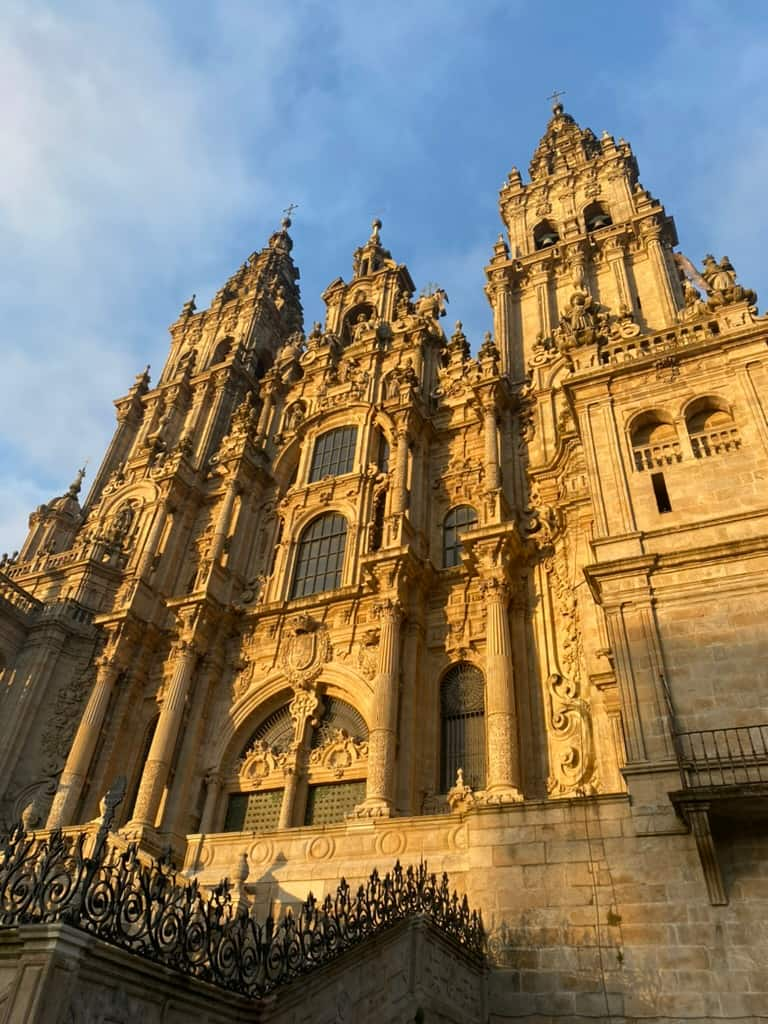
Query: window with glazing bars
[[456, 522], [462, 721], [320, 556], [334, 453]]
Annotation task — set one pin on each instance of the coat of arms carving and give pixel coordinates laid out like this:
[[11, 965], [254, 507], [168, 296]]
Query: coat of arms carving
[[306, 649]]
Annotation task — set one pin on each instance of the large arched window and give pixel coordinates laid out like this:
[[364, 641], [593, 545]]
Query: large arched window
[[320, 556], [459, 519], [255, 805], [330, 800], [334, 453], [462, 726]]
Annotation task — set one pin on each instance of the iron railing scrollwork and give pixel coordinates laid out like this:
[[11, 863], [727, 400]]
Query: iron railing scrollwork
[[148, 911]]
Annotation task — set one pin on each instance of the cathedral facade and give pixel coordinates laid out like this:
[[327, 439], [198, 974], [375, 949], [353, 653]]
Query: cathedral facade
[[354, 594]]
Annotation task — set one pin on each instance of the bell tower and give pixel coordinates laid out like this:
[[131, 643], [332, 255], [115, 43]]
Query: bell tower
[[585, 243]]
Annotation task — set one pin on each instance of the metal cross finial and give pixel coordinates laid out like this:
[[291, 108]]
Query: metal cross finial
[[555, 97], [288, 211]]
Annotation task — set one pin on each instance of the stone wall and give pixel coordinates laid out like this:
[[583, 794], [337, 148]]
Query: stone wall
[[590, 904], [52, 974]]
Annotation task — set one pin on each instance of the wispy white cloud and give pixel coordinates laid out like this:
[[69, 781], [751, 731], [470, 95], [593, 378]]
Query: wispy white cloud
[[147, 148]]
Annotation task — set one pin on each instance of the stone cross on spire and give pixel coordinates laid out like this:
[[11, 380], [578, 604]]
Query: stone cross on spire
[[555, 97]]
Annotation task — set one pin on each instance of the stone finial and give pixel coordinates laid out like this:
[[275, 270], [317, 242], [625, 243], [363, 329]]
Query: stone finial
[[376, 226], [74, 487]]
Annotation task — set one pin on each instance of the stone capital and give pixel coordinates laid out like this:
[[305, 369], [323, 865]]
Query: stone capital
[[495, 588], [388, 608]]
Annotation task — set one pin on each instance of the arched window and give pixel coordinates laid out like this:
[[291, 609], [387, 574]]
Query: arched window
[[334, 453], [711, 427], [596, 216], [545, 234], [459, 519], [462, 726], [330, 801], [320, 556], [221, 352], [255, 806], [654, 441]]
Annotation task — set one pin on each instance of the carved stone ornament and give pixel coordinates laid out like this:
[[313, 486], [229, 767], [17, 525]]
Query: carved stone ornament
[[259, 762], [572, 763], [581, 323], [305, 651], [305, 705], [460, 797], [339, 753], [573, 768]]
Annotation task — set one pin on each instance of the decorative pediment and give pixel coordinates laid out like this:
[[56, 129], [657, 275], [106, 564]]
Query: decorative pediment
[[259, 762], [339, 754]]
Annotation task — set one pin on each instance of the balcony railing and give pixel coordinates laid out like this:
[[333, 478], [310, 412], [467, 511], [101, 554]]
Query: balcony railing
[[651, 456], [736, 756], [715, 442]]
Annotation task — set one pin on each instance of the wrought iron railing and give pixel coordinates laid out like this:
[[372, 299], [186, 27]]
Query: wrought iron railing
[[724, 757], [147, 910]]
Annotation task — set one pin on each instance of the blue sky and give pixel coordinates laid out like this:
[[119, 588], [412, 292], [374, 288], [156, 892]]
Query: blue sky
[[148, 148]]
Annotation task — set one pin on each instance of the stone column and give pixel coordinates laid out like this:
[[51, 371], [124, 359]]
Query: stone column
[[223, 521], [659, 263], [213, 783], [155, 774], [75, 772], [147, 560], [400, 484], [503, 753], [382, 741], [492, 469]]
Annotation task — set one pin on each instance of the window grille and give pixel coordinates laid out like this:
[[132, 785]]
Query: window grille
[[320, 556], [254, 812], [276, 731], [459, 519], [339, 715], [331, 802], [334, 453], [462, 714]]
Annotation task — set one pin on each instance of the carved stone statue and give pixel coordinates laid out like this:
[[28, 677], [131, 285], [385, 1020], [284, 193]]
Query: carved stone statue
[[722, 287], [695, 306], [581, 323]]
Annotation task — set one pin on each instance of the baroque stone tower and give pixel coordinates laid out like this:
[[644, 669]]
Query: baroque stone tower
[[336, 597]]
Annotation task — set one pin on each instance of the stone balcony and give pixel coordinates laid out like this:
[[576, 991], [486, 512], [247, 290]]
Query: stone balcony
[[724, 775]]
